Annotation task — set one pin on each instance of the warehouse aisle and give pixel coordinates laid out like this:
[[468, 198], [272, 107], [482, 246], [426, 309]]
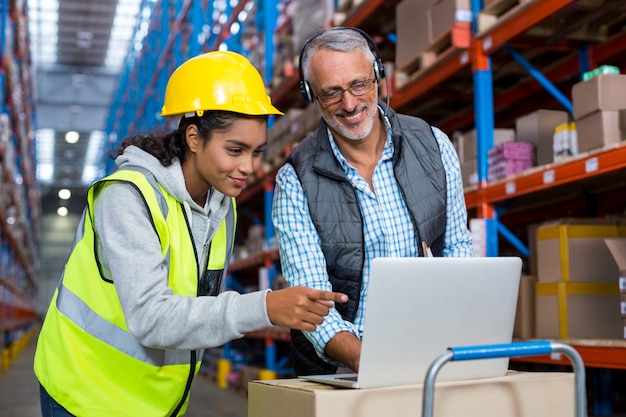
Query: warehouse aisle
[[19, 393]]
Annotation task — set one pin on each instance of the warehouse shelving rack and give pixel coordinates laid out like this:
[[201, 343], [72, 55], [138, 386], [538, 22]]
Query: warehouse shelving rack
[[489, 200], [19, 192], [486, 101]]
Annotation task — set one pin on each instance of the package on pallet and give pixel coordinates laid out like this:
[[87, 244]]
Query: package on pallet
[[423, 25], [413, 29], [445, 13], [309, 17]]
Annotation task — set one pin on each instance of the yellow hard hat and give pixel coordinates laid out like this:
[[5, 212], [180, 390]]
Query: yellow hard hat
[[217, 80]]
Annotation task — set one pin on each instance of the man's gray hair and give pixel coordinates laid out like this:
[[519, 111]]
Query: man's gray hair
[[340, 39]]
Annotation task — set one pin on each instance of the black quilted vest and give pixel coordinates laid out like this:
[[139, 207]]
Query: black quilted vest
[[335, 212]]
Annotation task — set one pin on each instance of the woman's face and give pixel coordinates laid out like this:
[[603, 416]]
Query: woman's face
[[226, 160]]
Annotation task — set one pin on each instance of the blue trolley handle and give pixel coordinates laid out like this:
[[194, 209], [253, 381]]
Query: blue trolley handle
[[539, 347]]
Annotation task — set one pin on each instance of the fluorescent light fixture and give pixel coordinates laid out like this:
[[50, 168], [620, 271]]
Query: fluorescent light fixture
[[93, 157], [234, 28], [62, 211], [128, 16], [64, 194], [43, 28], [44, 145], [72, 136]]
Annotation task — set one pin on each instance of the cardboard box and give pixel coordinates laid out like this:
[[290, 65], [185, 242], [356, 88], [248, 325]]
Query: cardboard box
[[572, 249], [604, 127], [510, 158], [526, 394], [413, 29], [538, 127], [465, 142], [525, 321], [469, 173], [445, 13], [308, 18], [603, 92], [584, 310], [617, 247]]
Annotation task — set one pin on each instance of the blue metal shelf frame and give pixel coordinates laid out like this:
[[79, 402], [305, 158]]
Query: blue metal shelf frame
[[483, 101]]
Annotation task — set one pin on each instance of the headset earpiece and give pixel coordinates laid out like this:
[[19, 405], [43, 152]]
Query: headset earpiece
[[379, 70], [305, 89], [378, 66]]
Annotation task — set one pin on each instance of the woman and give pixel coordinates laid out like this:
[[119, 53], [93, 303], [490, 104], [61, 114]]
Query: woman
[[139, 298]]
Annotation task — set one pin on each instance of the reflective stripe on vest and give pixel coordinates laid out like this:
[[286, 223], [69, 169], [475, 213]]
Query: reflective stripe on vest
[[86, 356]]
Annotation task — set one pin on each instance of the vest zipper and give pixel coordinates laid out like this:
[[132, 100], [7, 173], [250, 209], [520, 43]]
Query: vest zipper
[[192, 367], [193, 353]]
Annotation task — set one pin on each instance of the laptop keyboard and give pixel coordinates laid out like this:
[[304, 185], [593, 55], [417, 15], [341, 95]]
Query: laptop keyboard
[[348, 378]]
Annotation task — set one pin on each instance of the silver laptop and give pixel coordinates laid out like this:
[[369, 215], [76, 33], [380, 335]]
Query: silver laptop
[[418, 307]]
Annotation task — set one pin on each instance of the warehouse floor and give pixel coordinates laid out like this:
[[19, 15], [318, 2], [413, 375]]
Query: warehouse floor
[[19, 393]]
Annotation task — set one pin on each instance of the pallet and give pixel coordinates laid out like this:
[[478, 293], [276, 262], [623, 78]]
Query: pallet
[[458, 37], [492, 13]]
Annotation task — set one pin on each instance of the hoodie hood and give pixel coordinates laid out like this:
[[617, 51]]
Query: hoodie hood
[[205, 220], [171, 178]]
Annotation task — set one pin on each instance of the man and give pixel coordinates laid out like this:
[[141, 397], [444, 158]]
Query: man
[[367, 183]]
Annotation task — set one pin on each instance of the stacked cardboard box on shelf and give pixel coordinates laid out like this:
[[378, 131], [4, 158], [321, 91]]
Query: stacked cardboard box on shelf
[[308, 18], [465, 145], [424, 29], [510, 158], [282, 134], [538, 127], [287, 131], [600, 111], [524, 327], [495, 11], [577, 288], [618, 250]]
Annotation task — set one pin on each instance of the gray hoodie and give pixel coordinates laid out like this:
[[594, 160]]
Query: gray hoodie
[[131, 257]]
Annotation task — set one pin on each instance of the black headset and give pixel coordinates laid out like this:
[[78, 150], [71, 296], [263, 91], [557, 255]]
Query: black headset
[[379, 68]]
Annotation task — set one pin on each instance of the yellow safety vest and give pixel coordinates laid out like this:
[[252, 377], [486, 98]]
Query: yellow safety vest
[[86, 357]]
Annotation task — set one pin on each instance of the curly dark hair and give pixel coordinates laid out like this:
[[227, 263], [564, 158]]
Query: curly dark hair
[[166, 147]]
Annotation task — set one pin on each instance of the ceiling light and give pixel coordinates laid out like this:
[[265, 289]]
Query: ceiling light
[[72, 136], [44, 144], [62, 211], [83, 44], [64, 194], [84, 35]]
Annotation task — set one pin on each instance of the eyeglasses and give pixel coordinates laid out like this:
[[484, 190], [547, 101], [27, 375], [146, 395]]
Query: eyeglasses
[[357, 88]]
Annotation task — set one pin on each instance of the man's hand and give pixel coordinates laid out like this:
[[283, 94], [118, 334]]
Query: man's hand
[[301, 308]]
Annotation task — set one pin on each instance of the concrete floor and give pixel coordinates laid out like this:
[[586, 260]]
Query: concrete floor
[[19, 393]]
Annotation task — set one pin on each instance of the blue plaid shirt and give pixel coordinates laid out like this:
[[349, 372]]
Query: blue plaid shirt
[[387, 227]]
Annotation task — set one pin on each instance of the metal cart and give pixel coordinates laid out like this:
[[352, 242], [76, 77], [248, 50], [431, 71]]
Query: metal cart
[[516, 349]]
